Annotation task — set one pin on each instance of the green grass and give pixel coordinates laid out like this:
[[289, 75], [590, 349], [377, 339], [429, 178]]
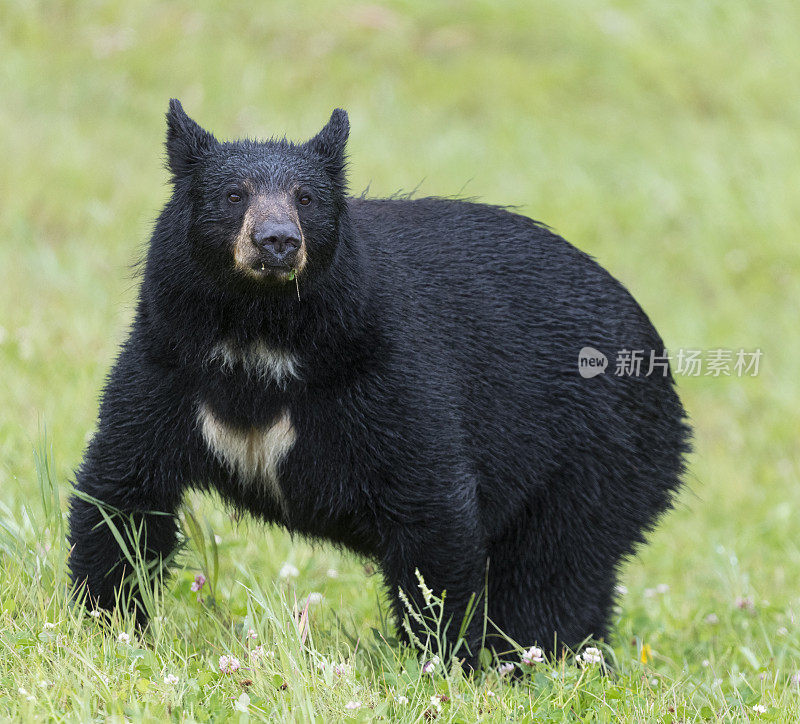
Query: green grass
[[660, 137]]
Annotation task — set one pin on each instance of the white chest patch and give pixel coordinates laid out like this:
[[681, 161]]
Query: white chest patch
[[254, 454], [258, 359]]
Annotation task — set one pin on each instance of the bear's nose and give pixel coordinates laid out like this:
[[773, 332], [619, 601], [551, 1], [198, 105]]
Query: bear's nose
[[278, 240]]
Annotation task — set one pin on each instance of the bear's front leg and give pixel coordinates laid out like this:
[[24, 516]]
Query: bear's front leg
[[446, 548], [122, 523], [117, 551]]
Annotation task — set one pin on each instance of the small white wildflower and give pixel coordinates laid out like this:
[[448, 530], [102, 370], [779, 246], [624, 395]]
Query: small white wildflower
[[783, 631], [706, 663], [716, 682], [712, 619], [534, 655], [333, 573], [228, 664], [171, 679], [242, 703], [352, 705], [124, 638], [796, 678], [288, 571], [436, 701], [760, 709], [505, 669], [591, 655], [314, 598], [402, 699], [44, 684], [653, 682], [490, 693], [48, 626], [662, 588], [251, 634], [430, 666], [95, 613], [259, 653], [22, 691]]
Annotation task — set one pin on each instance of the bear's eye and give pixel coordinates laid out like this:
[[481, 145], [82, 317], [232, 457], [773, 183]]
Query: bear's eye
[[304, 200], [234, 198]]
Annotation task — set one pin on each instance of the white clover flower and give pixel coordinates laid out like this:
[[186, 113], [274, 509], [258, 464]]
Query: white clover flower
[[436, 701], [124, 638], [229, 664], [242, 703], [288, 571], [332, 573], [314, 598], [402, 699], [48, 626], [760, 709], [352, 705], [171, 679], [534, 655], [591, 655], [490, 693], [505, 669], [712, 619], [95, 613]]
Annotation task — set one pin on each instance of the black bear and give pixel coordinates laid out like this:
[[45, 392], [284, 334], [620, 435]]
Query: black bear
[[399, 376]]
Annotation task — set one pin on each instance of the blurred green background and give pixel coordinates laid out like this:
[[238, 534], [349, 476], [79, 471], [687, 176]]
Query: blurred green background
[[661, 137]]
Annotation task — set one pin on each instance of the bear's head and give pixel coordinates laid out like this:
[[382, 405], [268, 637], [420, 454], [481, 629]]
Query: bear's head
[[261, 213]]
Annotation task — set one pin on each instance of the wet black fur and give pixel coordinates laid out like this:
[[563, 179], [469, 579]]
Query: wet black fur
[[441, 421]]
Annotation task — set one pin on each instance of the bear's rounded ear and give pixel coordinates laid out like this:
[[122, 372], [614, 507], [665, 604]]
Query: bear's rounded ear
[[187, 142], [329, 144]]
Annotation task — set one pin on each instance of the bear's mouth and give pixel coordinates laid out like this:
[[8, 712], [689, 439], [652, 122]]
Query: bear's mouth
[[262, 268]]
